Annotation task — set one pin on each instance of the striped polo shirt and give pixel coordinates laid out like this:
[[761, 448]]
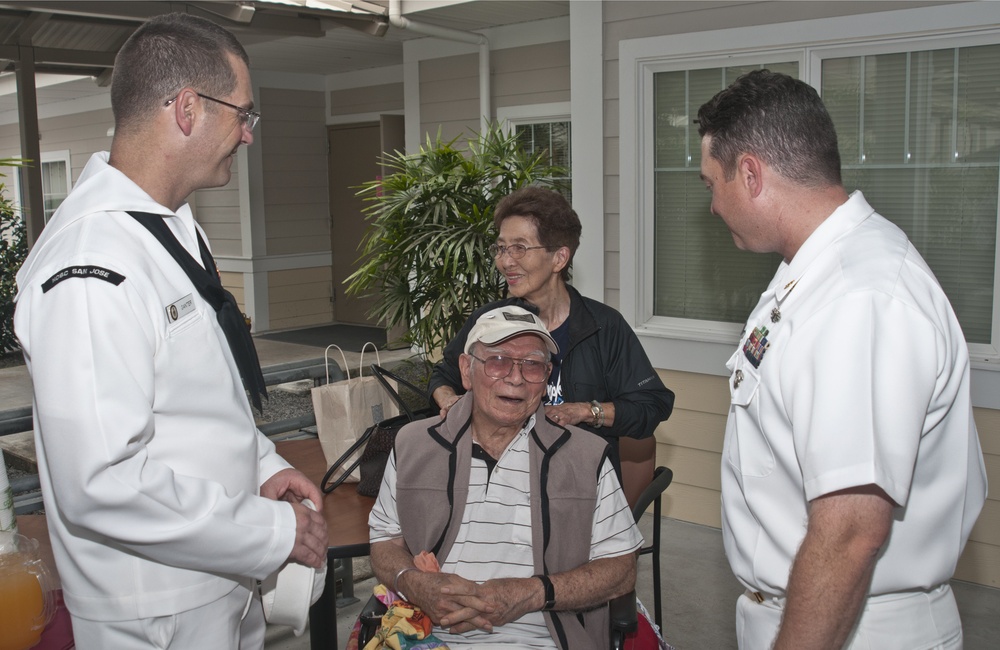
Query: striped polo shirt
[[494, 540]]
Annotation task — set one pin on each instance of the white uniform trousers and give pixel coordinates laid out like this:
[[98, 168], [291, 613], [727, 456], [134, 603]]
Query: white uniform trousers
[[226, 624], [914, 620]]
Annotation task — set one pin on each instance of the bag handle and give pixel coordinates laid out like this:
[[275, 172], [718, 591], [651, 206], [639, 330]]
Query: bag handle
[[381, 373], [326, 361], [362, 439], [361, 362]]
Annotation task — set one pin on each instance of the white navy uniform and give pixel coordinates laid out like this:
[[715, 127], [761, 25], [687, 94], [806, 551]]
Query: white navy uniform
[[149, 458], [852, 370]]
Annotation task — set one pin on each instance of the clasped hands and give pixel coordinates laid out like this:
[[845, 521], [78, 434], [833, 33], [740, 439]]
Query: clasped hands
[[461, 605], [311, 539]]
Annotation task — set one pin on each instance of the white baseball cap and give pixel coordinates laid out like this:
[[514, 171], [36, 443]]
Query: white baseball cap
[[287, 594], [504, 323]]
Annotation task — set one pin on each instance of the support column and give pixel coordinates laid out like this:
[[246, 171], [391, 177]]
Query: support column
[[33, 207], [586, 55]]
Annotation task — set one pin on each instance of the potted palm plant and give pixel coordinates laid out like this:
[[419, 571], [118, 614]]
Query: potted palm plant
[[425, 255]]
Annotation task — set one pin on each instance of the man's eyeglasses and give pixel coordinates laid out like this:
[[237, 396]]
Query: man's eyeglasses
[[248, 117], [499, 367], [516, 251]]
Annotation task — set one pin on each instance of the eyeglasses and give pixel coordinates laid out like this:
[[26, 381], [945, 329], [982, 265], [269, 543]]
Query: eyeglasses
[[500, 367], [248, 117], [516, 251]]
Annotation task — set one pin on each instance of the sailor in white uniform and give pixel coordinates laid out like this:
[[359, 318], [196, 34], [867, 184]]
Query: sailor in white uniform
[[852, 472], [164, 502]]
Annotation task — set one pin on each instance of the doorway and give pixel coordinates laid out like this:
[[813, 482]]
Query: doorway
[[355, 152]]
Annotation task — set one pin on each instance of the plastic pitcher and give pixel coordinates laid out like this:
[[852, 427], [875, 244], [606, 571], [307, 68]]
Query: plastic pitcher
[[27, 601]]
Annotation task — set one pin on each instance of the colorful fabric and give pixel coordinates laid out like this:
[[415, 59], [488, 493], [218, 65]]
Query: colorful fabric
[[404, 626]]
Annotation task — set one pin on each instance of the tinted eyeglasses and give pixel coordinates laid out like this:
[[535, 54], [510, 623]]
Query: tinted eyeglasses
[[516, 251], [499, 367], [248, 117]]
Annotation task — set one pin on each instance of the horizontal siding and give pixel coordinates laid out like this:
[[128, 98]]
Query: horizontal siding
[[981, 561], [449, 97], [534, 74], [300, 297], [296, 194], [449, 86], [367, 99], [233, 282], [690, 443]]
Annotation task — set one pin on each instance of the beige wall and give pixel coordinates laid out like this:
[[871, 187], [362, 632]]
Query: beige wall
[[449, 86], [367, 99], [233, 282], [300, 297], [296, 204], [293, 149], [217, 209]]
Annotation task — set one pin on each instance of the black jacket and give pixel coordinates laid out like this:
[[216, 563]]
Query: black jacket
[[604, 362]]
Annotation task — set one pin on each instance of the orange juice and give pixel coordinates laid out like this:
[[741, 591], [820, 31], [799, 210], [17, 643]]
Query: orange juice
[[22, 617]]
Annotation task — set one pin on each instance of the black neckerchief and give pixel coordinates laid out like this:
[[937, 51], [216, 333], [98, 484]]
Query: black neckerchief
[[206, 281]]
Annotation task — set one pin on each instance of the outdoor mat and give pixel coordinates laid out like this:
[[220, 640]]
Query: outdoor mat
[[349, 337]]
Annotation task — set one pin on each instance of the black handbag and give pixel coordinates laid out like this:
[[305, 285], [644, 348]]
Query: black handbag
[[379, 438]]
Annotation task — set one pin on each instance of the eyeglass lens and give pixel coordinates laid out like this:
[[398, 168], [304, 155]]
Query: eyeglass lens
[[499, 367], [516, 251], [249, 118]]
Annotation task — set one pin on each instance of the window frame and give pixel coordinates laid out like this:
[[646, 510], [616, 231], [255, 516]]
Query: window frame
[[62, 155], [513, 116], [704, 346]]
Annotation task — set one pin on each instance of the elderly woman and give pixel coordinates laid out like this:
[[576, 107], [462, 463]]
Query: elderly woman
[[601, 379]]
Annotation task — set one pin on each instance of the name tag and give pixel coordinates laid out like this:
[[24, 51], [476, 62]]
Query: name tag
[[180, 309]]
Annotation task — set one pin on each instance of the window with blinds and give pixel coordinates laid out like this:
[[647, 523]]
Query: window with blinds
[[552, 137], [919, 134], [55, 185], [698, 271]]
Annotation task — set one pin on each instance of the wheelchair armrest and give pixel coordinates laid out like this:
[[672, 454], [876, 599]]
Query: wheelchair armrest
[[624, 617], [371, 620]]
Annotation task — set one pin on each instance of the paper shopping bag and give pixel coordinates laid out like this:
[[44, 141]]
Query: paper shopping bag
[[345, 409]]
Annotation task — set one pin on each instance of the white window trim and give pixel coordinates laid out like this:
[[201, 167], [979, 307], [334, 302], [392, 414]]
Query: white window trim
[[704, 347], [510, 116]]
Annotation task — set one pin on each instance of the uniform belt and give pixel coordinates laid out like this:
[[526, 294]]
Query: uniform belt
[[761, 597]]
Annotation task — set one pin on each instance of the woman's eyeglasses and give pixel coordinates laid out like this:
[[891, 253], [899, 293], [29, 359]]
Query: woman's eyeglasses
[[516, 251]]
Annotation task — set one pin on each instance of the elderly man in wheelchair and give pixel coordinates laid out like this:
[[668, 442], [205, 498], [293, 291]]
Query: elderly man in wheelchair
[[526, 518]]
